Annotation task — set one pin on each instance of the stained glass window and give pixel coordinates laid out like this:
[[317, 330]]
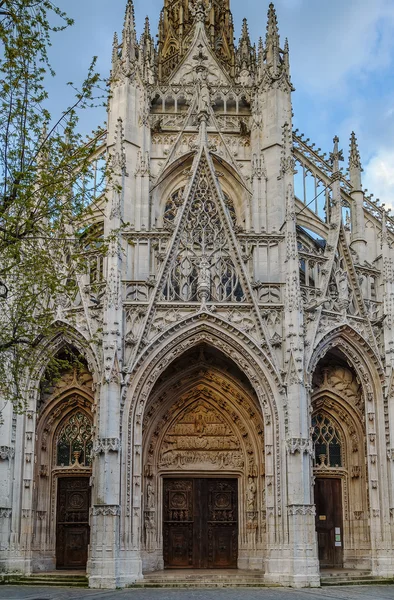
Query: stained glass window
[[74, 441], [327, 442]]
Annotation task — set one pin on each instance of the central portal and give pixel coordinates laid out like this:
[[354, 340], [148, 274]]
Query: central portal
[[200, 526]]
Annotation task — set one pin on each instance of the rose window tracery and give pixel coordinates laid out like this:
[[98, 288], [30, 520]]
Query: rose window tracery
[[326, 442], [74, 441]]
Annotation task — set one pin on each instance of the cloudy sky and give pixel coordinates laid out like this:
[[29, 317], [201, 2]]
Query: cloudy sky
[[342, 58]]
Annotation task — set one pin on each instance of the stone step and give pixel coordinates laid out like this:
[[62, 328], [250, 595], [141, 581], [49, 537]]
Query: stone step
[[47, 580], [201, 584], [341, 574], [353, 581], [192, 578]]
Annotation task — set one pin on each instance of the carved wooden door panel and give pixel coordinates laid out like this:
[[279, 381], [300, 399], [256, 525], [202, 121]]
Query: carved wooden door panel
[[72, 531], [328, 500], [200, 526], [222, 526]]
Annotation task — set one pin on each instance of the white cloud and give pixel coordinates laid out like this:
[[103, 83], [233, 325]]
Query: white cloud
[[331, 40], [379, 176]]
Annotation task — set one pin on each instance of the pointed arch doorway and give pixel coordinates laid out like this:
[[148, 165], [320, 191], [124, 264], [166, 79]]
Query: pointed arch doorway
[[203, 456], [339, 464]]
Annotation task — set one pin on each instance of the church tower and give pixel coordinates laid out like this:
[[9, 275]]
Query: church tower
[[234, 409]]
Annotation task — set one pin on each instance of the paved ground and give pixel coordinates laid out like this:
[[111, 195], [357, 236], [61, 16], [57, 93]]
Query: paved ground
[[374, 592]]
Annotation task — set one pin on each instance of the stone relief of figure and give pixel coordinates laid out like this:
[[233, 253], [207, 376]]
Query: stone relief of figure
[[150, 496], [251, 494], [342, 283], [204, 98]]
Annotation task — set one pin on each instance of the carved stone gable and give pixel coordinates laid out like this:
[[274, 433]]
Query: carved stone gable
[[203, 268]]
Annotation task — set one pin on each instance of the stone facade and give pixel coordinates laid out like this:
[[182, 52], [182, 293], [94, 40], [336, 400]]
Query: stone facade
[[240, 327]]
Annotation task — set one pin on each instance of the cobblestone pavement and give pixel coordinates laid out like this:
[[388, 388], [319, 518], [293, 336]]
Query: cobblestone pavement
[[374, 592]]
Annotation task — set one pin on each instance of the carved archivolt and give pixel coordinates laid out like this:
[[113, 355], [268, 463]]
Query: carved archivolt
[[205, 427], [201, 419]]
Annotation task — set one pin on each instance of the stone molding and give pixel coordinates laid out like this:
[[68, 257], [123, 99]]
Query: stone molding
[[5, 512], [105, 445], [106, 510], [6, 452]]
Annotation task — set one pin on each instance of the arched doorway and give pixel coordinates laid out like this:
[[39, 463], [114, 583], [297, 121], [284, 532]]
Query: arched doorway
[[339, 464], [73, 440], [64, 465], [204, 475]]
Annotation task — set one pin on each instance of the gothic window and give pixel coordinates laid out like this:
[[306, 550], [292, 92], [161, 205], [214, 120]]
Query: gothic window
[[74, 441], [172, 206], [176, 200], [203, 267], [327, 442]]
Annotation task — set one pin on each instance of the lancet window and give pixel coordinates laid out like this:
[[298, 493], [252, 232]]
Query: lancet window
[[327, 442], [74, 441]]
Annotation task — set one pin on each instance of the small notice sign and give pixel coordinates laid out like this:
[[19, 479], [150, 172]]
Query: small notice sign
[[322, 518]]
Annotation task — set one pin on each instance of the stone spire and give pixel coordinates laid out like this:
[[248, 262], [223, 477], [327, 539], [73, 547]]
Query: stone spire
[[272, 41], [355, 168], [147, 54], [177, 23], [115, 53], [246, 53], [273, 64], [359, 242], [129, 36]]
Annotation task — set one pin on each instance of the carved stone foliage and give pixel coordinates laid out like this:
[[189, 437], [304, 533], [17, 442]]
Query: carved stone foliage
[[299, 445], [341, 381], [105, 445], [201, 436], [106, 510], [302, 509], [6, 452]]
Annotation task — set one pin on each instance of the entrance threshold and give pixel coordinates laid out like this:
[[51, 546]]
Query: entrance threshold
[[332, 577], [202, 578]]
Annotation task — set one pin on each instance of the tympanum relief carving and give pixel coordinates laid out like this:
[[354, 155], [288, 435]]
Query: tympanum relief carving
[[201, 436]]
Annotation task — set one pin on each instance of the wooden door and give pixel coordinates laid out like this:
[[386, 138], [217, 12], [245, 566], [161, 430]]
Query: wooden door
[[328, 500], [72, 531], [200, 526]]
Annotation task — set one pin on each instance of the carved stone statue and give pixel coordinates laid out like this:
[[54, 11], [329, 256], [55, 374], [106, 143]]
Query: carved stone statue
[[204, 98], [251, 494], [342, 282], [150, 496]]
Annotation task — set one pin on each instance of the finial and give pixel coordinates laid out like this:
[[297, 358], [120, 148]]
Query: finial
[[245, 29], [129, 19], [147, 27], [336, 156], [385, 238], [355, 168], [272, 25], [129, 35], [115, 50], [272, 40]]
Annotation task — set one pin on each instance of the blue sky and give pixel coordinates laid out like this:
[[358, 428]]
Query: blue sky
[[342, 59]]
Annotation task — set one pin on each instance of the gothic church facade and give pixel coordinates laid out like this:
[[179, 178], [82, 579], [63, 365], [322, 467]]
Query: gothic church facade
[[236, 404]]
